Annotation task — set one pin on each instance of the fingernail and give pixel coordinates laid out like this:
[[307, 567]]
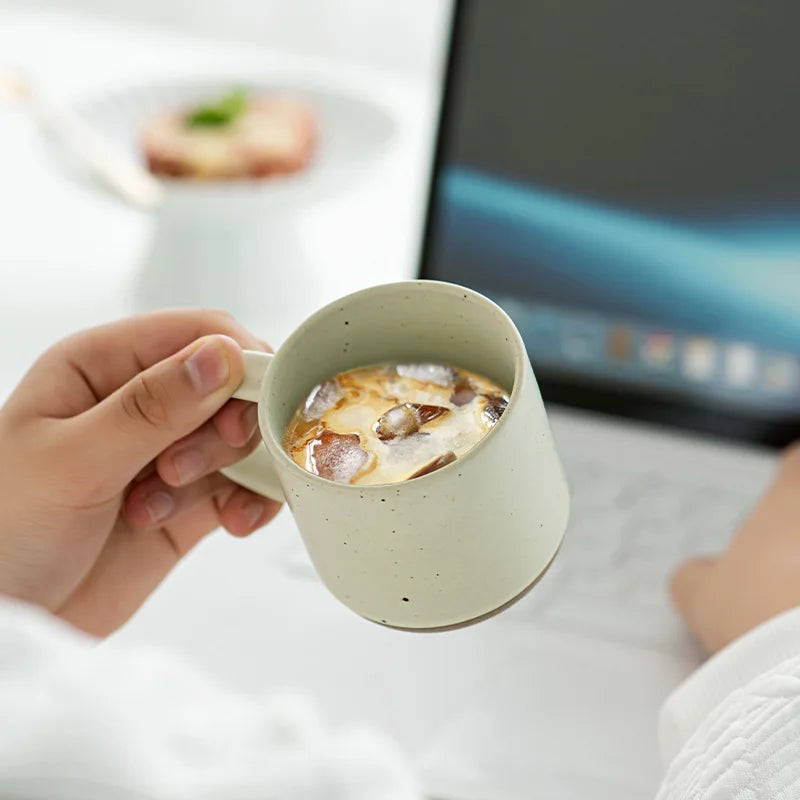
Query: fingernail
[[189, 464], [253, 512], [250, 420], [208, 367], [159, 506]]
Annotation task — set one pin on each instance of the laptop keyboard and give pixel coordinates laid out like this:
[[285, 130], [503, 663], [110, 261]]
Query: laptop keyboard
[[627, 533]]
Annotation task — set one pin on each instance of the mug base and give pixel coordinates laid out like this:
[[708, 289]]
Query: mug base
[[481, 618]]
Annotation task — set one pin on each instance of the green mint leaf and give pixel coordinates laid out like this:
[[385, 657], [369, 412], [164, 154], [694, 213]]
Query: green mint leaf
[[223, 112]]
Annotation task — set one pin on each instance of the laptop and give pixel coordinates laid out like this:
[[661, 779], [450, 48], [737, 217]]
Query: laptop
[[624, 180]]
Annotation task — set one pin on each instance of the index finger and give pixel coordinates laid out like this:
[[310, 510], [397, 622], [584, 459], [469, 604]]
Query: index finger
[[92, 364]]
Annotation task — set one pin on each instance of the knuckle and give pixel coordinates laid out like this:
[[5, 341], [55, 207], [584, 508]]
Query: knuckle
[[65, 348], [790, 458], [681, 583], [675, 583], [147, 401], [224, 318]]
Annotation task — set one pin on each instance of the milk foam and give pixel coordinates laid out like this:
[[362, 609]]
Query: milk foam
[[365, 394]]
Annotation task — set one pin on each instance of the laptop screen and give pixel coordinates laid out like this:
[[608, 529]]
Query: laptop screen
[[624, 179]]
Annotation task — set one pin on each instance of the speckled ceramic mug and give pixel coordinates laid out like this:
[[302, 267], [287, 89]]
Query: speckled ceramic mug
[[451, 547]]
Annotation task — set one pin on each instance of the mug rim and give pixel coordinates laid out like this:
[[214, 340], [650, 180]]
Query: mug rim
[[275, 448]]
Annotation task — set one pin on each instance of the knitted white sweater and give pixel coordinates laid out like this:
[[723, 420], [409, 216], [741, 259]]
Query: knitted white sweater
[[731, 731], [81, 723]]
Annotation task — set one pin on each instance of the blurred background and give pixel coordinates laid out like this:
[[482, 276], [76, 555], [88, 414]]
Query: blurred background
[[74, 254], [402, 37]]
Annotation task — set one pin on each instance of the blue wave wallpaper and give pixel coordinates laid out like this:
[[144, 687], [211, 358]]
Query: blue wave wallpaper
[[733, 278]]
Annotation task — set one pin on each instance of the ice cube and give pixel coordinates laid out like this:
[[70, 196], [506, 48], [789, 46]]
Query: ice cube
[[404, 420], [432, 373], [426, 414], [437, 463], [463, 393], [321, 399], [336, 456], [493, 410], [397, 422]]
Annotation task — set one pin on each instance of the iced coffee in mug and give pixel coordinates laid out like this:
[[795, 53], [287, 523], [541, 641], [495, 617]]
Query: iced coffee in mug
[[404, 427], [392, 422]]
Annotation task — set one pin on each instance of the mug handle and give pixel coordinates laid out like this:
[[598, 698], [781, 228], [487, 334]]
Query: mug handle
[[256, 472]]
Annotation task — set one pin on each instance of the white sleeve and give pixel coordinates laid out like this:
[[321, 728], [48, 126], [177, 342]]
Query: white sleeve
[[732, 729], [82, 723]]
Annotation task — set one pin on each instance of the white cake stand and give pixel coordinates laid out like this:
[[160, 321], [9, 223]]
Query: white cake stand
[[234, 244]]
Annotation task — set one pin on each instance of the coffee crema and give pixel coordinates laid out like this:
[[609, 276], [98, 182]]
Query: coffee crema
[[386, 424]]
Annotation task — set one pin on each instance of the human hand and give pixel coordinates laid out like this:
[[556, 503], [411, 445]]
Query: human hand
[[109, 451], [758, 576]]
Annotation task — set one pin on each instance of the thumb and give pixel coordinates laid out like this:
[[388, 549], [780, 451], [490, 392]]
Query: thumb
[[160, 405], [687, 588]]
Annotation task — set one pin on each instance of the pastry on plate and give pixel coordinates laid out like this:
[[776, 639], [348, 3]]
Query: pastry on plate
[[236, 136]]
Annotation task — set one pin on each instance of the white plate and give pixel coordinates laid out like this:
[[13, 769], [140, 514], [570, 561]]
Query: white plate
[[352, 130]]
